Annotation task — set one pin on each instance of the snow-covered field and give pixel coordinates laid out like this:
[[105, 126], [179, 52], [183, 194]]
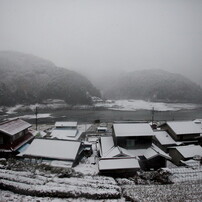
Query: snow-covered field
[[47, 185], [187, 191], [10, 196], [43, 187], [21, 183], [133, 105], [39, 116]]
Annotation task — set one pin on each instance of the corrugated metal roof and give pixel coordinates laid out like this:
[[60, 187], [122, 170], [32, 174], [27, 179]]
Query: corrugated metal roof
[[184, 127], [14, 126], [118, 163], [132, 129]]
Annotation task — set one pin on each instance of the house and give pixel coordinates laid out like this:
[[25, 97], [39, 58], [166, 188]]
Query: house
[[13, 135], [183, 131], [164, 141], [115, 159], [132, 135], [51, 151], [132, 143], [184, 153], [64, 130]]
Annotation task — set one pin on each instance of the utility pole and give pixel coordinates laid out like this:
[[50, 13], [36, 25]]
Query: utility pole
[[36, 112], [152, 115]]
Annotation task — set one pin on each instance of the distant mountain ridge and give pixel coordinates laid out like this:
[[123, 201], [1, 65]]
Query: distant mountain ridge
[[154, 85], [27, 79]]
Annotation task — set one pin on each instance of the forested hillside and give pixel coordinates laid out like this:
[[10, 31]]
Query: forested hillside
[[27, 79], [154, 85]]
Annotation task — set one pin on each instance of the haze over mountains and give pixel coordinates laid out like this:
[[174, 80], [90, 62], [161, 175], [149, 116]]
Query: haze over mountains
[[27, 79], [154, 85]]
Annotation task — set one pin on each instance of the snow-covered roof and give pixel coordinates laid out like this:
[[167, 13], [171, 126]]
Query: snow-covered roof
[[184, 127], [61, 133], [198, 121], [108, 150], [102, 128], [65, 124], [191, 163], [117, 152], [189, 151], [61, 164], [148, 153], [132, 129], [106, 144], [165, 139], [52, 149], [14, 126], [118, 163], [154, 151]]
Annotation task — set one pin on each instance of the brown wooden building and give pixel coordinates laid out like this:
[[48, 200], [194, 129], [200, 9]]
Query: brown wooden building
[[13, 135]]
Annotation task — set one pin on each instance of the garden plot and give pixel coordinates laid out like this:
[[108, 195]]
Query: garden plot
[[188, 191], [37, 185], [183, 174], [10, 196]]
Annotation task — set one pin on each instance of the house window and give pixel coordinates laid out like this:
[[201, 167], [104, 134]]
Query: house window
[[18, 135], [1, 140], [130, 143]]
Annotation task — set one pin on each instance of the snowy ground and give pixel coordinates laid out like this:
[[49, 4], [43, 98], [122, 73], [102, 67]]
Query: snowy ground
[[35, 185], [134, 105], [11, 197], [39, 116], [41, 184], [83, 183], [122, 105], [19, 182]]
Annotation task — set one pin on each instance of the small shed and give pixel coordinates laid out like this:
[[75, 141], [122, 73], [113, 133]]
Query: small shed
[[64, 130]]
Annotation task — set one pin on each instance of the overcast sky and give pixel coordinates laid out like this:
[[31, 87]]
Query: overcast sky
[[95, 36]]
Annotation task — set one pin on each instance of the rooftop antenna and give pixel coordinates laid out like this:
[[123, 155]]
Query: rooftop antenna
[[36, 113]]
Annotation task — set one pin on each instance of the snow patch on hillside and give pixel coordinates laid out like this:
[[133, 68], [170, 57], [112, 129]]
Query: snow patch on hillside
[[134, 105]]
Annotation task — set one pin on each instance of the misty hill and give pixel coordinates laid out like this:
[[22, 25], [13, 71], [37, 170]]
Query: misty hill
[[27, 79], [154, 85]]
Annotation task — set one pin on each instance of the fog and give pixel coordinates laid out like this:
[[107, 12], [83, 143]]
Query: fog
[[98, 37]]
